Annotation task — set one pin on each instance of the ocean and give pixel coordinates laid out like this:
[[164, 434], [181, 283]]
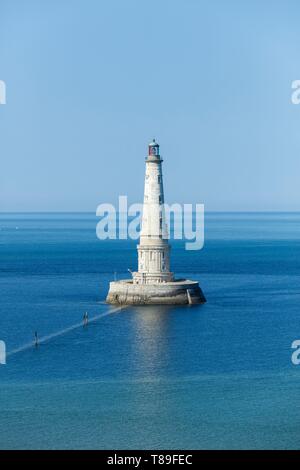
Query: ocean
[[213, 376]]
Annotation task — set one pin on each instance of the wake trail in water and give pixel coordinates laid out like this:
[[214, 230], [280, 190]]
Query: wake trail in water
[[62, 332]]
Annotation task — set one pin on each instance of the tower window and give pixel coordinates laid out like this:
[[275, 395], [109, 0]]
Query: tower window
[[158, 179], [153, 149]]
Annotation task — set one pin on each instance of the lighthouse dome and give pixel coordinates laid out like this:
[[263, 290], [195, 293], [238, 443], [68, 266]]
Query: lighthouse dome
[[153, 144]]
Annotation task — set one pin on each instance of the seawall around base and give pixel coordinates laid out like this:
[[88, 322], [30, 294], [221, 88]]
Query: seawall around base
[[181, 292]]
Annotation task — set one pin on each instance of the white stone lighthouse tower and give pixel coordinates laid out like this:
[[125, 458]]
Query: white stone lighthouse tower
[[154, 283], [154, 249]]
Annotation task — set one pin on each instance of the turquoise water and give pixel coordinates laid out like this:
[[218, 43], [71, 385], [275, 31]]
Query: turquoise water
[[216, 376]]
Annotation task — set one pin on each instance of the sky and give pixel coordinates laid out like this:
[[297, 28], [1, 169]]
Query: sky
[[90, 82]]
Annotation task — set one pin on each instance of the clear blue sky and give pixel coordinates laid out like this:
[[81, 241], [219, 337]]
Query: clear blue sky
[[90, 82]]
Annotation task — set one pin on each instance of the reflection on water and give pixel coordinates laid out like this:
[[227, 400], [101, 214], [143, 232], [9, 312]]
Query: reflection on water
[[150, 356], [151, 339]]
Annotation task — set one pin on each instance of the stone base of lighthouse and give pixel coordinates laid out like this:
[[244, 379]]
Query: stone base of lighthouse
[[178, 292]]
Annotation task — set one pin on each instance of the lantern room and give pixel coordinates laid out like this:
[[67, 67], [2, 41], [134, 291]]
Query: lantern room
[[153, 149]]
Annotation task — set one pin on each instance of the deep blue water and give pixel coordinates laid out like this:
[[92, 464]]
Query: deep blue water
[[212, 376]]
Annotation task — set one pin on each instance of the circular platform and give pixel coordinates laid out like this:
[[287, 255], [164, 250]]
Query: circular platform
[[178, 292]]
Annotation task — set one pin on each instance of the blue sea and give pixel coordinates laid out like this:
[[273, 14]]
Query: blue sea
[[213, 376]]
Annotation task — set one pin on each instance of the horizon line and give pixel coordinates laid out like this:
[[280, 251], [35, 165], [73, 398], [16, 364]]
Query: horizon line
[[207, 212]]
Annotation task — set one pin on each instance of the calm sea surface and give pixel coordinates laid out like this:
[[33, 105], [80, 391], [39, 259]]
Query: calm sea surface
[[213, 376]]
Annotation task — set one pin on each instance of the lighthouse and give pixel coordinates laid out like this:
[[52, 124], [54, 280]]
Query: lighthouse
[[153, 282], [154, 248]]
